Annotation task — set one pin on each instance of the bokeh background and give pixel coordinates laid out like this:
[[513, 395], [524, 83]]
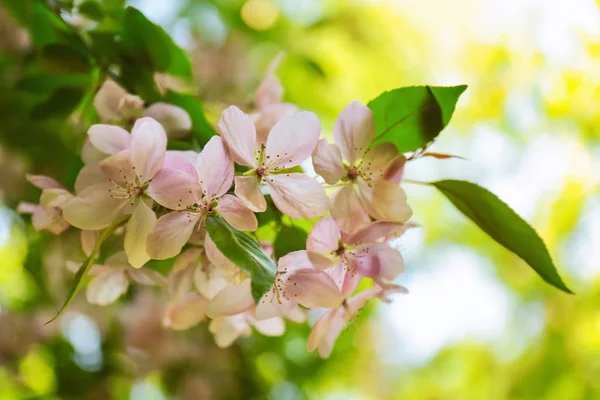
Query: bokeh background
[[477, 324]]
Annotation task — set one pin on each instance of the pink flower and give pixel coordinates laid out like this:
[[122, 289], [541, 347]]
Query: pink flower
[[290, 142], [370, 177], [227, 329], [328, 328], [47, 215], [194, 192], [133, 162], [269, 107], [356, 256]]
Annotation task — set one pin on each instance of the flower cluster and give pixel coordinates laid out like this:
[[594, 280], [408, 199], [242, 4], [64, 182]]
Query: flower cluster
[[355, 206]]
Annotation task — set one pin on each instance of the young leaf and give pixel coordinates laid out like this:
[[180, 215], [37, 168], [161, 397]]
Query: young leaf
[[411, 117], [87, 264], [244, 252], [60, 104], [289, 238], [503, 225], [91, 9]]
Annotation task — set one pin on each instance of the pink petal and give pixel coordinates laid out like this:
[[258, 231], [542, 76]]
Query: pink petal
[[227, 329], [43, 182], [148, 147], [354, 130], [347, 279], [174, 189], [185, 312], [269, 327], [376, 231], [107, 287], [88, 241], [138, 227], [27, 208], [209, 281], [297, 195], [170, 234], [324, 237], [175, 120], [215, 256], [388, 202], [94, 208], [348, 211], [271, 305], [146, 276], [49, 219], [378, 260], [188, 258], [395, 169], [239, 134], [54, 197], [118, 167], [231, 300], [90, 154], [107, 100], [215, 169], [325, 332], [292, 140], [270, 115], [269, 92], [109, 139], [89, 175], [327, 161], [247, 189], [313, 288], [376, 161], [184, 161], [236, 214]]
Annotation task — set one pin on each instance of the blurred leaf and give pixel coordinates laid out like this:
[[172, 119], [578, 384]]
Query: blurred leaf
[[152, 46], [60, 104], [412, 117], [92, 10], [43, 24], [62, 59], [289, 238], [87, 264], [38, 82], [201, 129], [503, 225], [244, 252]]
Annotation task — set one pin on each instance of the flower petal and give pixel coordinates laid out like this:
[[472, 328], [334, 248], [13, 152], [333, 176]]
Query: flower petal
[[108, 99], [354, 130], [313, 288], [209, 280], [174, 189], [247, 189], [348, 210], [148, 147], [118, 167], [185, 312], [170, 234], [107, 287], [182, 160], [374, 232], [292, 140], [378, 260], [297, 195], [270, 115], [109, 139], [227, 329], [138, 227], [88, 240], [215, 169], [231, 300], [324, 237], [27, 208], [94, 208], [239, 134], [327, 161], [89, 175], [388, 202], [43, 182], [237, 214], [175, 120], [376, 160], [54, 197], [214, 255], [395, 169], [49, 219], [269, 327]]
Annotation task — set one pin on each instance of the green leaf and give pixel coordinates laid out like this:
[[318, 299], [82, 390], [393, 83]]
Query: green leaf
[[151, 45], [62, 59], [288, 239], [60, 104], [201, 129], [87, 264], [42, 23], [244, 252], [412, 117], [92, 10], [503, 225]]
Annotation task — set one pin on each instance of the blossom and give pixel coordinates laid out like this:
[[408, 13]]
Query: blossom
[[133, 162], [111, 279], [290, 142], [268, 102], [195, 192], [227, 329], [369, 177], [353, 257], [116, 106], [328, 328], [47, 215]]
